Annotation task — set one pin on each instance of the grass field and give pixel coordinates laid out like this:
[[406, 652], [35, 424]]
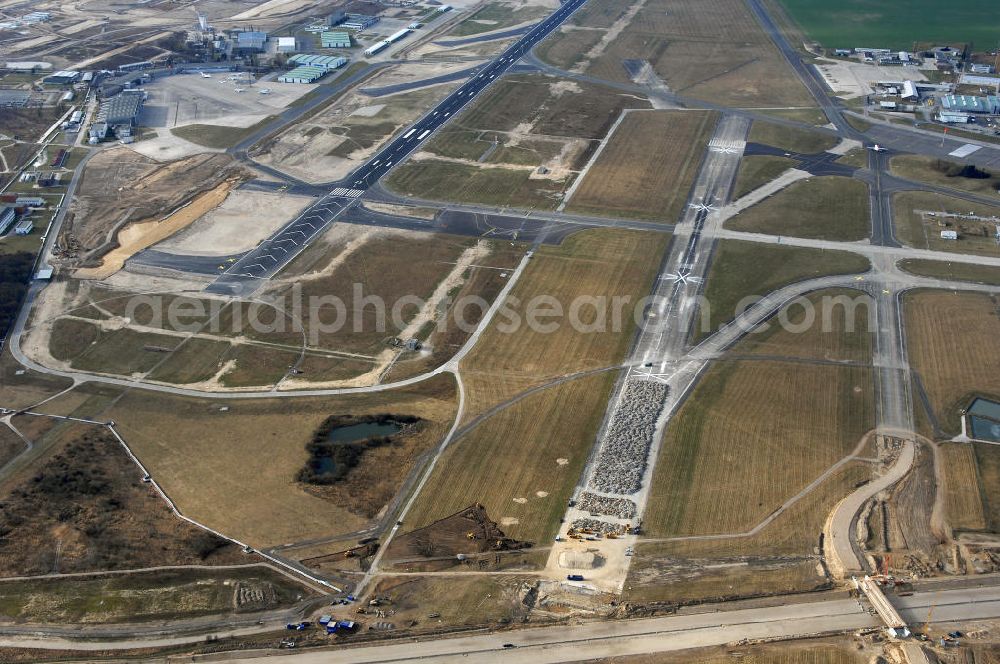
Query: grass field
[[603, 264], [790, 138], [142, 596], [963, 501], [647, 167], [708, 50], [243, 482], [821, 208], [473, 600], [746, 269], [432, 179], [951, 338], [979, 274], [801, 652], [894, 24], [916, 230], [521, 464], [218, 137], [773, 426], [842, 330], [988, 467], [496, 16], [758, 170], [921, 169]]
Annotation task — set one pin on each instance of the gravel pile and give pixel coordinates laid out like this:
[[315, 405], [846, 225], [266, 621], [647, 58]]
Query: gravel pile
[[622, 508], [629, 435], [602, 527]]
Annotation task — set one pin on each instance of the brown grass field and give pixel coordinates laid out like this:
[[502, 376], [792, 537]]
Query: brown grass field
[[648, 166], [235, 470], [757, 170], [747, 269], [841, 332], [711, 50], [840, 651], [790, 138], [963, 501], [521, 463], [778, 559], [595, 263], [979, 274], [772, 426], [988, 467], [821, 208], [920, 169], [925, 232], [951, 338]]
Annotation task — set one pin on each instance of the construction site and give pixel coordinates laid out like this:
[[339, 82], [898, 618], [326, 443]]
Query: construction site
[[579, 330]]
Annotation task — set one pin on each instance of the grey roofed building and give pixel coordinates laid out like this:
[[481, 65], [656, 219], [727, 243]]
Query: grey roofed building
[[251, 40], [123, 108], [14, 98]]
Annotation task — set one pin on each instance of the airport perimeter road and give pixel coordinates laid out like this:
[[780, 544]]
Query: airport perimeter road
[[274, 253], [595, 640]]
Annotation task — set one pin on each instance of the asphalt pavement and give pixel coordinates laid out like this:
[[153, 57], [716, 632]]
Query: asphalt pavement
[[273, 254]]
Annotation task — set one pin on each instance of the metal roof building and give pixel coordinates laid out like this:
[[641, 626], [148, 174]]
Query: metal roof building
[[7, 217], [121, 109], [320, 61], [64, 77], [971, 104], [251, 40], [286, 44], [303, 74], [335, 39], [14, 98]]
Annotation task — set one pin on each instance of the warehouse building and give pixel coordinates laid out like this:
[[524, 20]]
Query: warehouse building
[[250, 41], [335, 39], [303, 74], [63, 77], [14, 98], [952, 117], [286, 45], [358, 22], [327, 62], [971, 104], [978, 68], [24, 227], [117, 115], [7, 217], [387, 42]]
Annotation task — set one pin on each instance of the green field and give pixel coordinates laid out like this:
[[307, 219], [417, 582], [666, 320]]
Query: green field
[[895, 24]]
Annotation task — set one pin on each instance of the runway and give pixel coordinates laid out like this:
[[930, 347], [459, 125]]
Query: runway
[[274, 253]]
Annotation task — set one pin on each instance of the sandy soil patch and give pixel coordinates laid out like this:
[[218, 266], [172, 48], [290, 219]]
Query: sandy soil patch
[[402, 210], [167, 147], [244, 219], [367, 111], [270, 8], [137, 236]]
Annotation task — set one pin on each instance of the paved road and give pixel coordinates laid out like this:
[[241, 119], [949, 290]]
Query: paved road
[[594, 640], [277, 251]]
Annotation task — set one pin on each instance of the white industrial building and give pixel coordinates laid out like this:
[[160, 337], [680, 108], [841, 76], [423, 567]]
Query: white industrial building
[[24, 227], [286, 45], [7, 217], [387, 42]]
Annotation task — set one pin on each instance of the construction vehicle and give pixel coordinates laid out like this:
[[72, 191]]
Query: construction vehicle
[[612, 536], [470, 535]]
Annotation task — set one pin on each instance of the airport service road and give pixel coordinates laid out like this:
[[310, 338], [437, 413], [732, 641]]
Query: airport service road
[[274, 253], [566, 643]]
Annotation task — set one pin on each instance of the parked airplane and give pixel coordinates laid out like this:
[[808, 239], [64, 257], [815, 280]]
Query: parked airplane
[[264, 91], [204, 75], [877, 148], [239, 89]]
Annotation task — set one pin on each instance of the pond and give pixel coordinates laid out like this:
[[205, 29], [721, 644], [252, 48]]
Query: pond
[[362, 431]]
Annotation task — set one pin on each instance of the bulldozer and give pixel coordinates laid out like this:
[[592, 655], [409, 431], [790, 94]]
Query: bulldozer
[[470, 535]]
